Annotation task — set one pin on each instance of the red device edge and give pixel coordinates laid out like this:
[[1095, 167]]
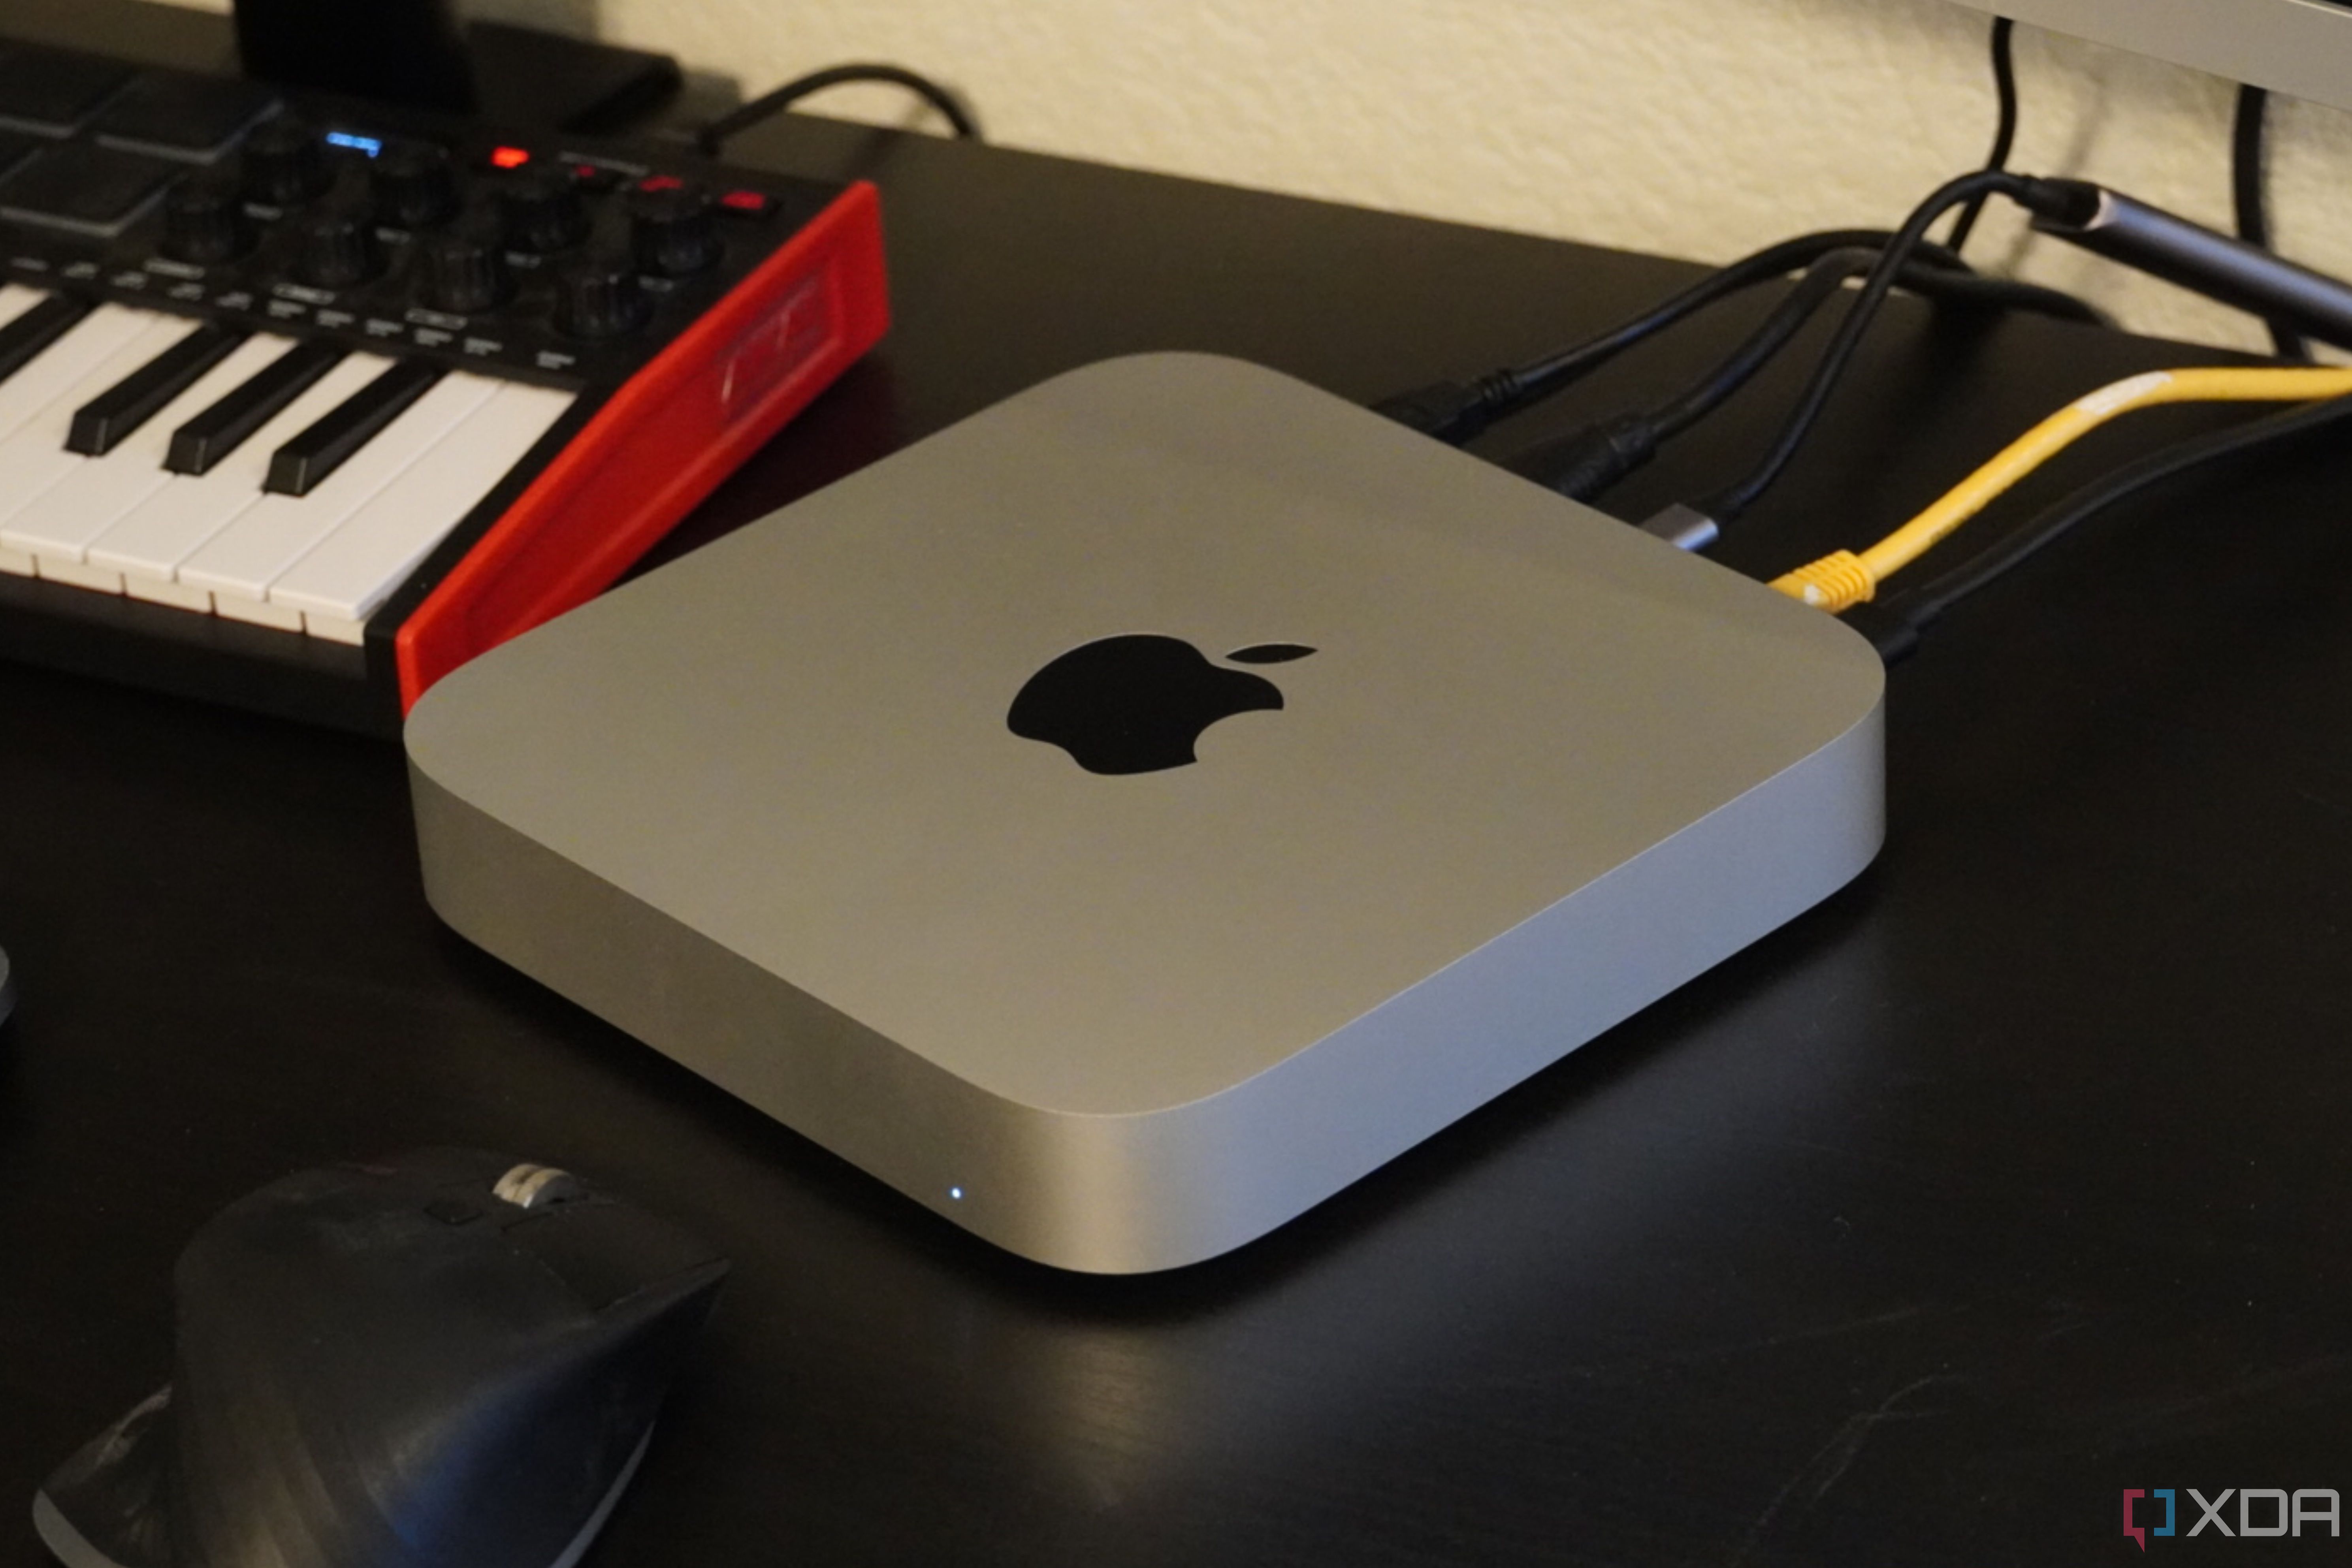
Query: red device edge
[[662, 442]]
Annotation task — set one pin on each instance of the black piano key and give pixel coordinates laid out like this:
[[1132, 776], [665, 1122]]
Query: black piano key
[[224, 426], [129, 403], [303, 463], [37, 329]]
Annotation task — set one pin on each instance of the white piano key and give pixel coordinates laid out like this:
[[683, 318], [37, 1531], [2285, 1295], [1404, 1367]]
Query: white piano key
[[159, 591], [16, 563], [16, 299], [178, 520], [90, 500], [357, 566], [260, 612], [57, 368], [245, 558], [73, 574], [34, 459]]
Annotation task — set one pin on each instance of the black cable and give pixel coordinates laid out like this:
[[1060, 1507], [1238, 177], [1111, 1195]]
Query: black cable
[[2248, 177], [1554, 371], [1921, 607], [2002, 294], [1736, 499], [1458, 411], [959, 115], [1585, 462], [2004, 136], [1822, 281]]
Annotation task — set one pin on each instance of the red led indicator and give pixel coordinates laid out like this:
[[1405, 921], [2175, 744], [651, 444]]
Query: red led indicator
[[508, 157], [744, 201], [661, 182]]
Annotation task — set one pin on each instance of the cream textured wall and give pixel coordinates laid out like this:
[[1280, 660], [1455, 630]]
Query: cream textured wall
[[1698, 128]]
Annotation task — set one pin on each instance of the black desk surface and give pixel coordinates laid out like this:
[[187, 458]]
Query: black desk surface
[[2016, 1175]]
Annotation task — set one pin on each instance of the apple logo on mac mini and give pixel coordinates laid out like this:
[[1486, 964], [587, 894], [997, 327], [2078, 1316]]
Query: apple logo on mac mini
[[1138, 703]]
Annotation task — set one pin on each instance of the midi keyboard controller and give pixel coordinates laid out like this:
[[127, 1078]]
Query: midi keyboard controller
[[304, 402]]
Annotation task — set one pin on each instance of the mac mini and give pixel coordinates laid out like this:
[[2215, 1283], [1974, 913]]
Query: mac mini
[[1126, 817]]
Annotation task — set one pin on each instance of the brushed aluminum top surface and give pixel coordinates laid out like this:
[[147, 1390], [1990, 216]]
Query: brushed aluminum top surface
[[795, 739]]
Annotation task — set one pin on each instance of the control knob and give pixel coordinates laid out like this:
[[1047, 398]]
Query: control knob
[[204, 223], [672, 231], [543, 211], [339, 249], [600, 296], [465, 272], [414, 184], [284, 163]]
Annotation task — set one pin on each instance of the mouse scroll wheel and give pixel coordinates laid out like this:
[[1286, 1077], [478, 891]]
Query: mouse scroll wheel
[[538, 1186]]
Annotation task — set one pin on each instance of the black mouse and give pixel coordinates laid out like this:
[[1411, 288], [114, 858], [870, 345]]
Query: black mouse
[[447, 1360]]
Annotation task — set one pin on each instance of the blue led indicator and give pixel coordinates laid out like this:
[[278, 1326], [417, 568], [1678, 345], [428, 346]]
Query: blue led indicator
[[956, 1193], [367, 144]]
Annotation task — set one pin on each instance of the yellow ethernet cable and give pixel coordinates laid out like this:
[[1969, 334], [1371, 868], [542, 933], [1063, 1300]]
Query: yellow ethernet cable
[[1837, 581]]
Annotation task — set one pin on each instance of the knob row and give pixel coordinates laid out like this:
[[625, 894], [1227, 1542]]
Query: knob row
[[462, 272], [672, 230], [598, 296], [286, 164]]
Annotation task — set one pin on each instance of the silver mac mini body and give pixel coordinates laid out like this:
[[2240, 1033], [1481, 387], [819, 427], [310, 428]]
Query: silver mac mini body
[[1124, 819]]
